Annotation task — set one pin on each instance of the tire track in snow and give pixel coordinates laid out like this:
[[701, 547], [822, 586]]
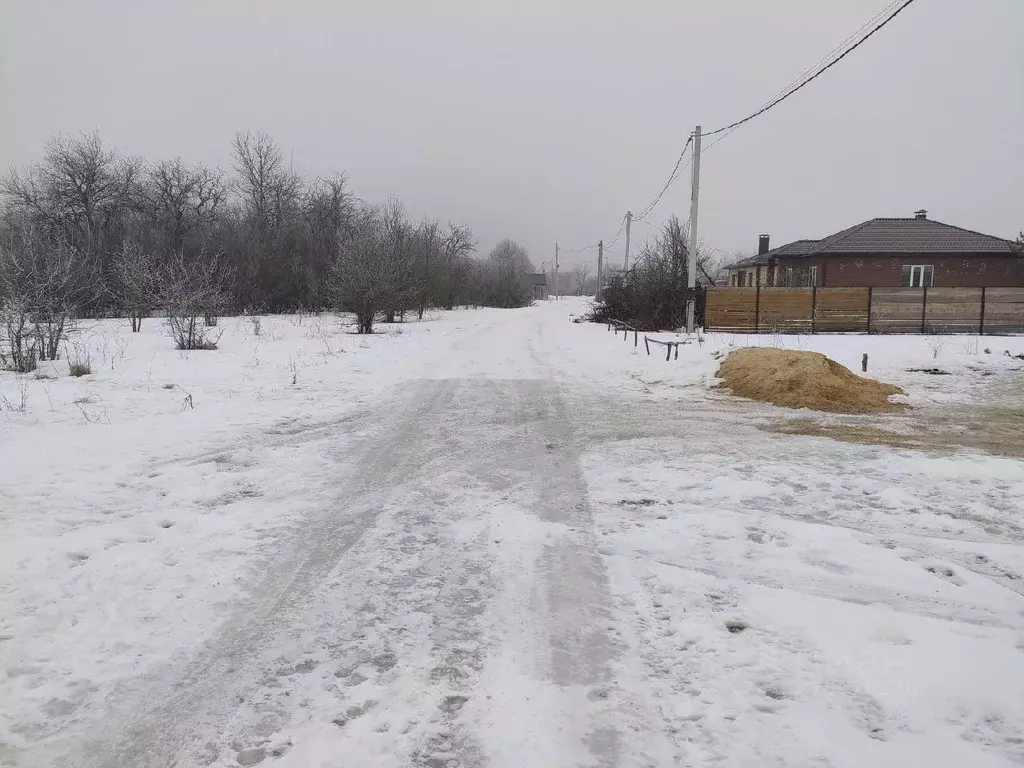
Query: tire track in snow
[[174, 714]]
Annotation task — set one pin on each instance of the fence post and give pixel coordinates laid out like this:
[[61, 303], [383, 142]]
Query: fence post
[[677, 350], [924, 306], [814, 306], [647, 344], [981, 324], [869, 309], [668, 351], [757, 309], [636, 337]]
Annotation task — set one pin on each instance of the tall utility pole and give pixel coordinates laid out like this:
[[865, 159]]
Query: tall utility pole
[[600, 269], [556, 271], [629, 221], [691, 266]]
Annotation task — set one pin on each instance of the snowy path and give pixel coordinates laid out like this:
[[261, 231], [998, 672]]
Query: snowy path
[[504, 540], [454, 580]]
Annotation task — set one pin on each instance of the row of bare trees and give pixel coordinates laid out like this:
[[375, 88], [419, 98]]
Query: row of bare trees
[[89, 231]]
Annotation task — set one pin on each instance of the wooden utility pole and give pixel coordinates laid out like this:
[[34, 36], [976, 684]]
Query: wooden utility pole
[[600, 269], [629, 221], [556, 271], [691, 277]]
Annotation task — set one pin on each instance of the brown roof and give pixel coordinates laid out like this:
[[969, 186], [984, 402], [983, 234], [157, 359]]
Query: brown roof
[[796, 248], [892, 237], [898, 236]]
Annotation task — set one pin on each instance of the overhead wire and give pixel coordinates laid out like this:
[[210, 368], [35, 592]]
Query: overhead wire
[[817, 73], [841, 51], [839, 47], [672, 177], [622, 228], [823, 60]]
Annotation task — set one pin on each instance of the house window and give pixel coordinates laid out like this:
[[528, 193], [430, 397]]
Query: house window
[[918, 275], [750, 279], [812, 276]]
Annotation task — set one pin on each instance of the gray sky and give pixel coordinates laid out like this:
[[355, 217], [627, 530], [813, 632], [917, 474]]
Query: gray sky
[[542, 120]]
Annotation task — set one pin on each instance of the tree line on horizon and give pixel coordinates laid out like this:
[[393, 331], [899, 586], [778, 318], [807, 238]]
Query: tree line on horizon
[[89, 231]]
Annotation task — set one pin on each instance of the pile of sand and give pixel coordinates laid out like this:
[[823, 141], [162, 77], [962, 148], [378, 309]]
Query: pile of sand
[[803, 380]]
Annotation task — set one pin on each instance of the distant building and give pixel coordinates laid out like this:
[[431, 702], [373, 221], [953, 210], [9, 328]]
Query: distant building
[[538, 282], [914, 252]]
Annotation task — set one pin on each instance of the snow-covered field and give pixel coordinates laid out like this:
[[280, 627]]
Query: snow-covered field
[[498, 537]]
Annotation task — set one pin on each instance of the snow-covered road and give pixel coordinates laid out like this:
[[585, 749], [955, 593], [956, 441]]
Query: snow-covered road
[[501, 539]]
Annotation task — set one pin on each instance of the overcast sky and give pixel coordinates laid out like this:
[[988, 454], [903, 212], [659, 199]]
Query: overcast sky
[[543, 120]]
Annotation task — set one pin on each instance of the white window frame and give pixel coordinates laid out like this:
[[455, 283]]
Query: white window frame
[[812, 276], [917, 273]]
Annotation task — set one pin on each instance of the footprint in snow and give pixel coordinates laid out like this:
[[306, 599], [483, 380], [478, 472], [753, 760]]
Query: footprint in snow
[[945, 573]]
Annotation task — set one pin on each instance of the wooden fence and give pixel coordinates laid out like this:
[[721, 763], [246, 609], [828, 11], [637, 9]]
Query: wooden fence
[[867, 310]]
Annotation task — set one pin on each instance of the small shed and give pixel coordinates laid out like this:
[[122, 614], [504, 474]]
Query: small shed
[[538, 282]]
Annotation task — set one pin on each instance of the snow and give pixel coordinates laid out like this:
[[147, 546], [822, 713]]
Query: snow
[[501, 537]]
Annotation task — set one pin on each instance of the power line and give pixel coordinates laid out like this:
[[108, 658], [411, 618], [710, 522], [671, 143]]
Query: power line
[[580, 249], [820, 71], [837, 54], [827, 57], [618, 234], [672, 177]]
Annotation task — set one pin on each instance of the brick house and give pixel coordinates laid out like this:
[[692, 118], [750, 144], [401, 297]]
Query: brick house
[[914, 252]]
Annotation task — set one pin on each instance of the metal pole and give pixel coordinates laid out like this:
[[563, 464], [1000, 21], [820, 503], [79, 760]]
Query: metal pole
[[556, 271], [629, 222], [981, 324], [691, 277], [600, 269]]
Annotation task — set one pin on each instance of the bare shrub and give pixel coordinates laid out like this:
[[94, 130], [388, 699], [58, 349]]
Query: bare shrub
[[19, 350], [937, 344], [79, 359], [653, 294], [192, 291], [21, 404]]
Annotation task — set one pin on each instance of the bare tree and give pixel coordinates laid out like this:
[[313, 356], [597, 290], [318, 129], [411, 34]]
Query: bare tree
[[180, 199], [269, 191], [358, 280], [78, 191], [505, 275], [135, 282], [581, 273], [457, 248], [427, 247], [397, 258], [44, 282]]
